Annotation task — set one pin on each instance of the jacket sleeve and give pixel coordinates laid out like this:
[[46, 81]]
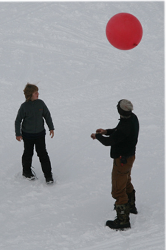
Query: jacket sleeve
[[19, 118], [104, 140], [110, 131], [116, 137], [47, 117]]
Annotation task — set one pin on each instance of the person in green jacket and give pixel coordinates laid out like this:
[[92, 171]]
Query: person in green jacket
[[29, 127]]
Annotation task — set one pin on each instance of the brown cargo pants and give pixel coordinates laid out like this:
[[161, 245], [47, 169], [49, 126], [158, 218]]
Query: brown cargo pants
[[121, 180]]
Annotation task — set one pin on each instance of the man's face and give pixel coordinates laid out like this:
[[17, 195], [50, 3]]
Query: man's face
[[35, 96]]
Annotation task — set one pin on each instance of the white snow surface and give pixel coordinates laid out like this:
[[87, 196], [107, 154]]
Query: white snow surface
[[62, 47]]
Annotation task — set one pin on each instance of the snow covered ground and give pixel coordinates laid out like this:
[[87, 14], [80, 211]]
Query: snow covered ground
[[62, 47]]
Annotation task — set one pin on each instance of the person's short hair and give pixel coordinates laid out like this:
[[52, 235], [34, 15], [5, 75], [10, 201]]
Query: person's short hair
[[29, 90]]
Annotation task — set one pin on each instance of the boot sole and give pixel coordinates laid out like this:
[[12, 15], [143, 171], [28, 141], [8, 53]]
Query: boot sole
[[120, 228], [49, 182], [30, 179]]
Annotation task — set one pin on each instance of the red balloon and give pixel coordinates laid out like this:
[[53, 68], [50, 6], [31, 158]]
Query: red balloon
[[124, 31]]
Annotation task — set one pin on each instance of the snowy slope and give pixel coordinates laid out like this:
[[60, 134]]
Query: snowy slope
[[62, 47]]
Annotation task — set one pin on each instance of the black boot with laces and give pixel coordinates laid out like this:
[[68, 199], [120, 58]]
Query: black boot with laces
[[122, 221]]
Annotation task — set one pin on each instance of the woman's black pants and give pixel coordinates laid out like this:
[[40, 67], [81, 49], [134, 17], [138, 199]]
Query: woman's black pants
[[40, 146]]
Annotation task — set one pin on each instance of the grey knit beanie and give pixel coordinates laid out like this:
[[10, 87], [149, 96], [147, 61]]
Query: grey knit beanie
[[126, 105], [125, 108]]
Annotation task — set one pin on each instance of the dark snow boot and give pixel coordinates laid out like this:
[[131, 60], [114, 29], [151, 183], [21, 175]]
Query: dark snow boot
[[49, 179], [29, 175], [131, 202], [122, 221]]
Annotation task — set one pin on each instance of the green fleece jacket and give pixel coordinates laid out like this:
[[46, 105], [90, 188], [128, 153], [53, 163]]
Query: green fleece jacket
[[30, 117]]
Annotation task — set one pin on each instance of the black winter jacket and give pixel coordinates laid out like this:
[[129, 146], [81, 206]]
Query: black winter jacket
[[123, 138]]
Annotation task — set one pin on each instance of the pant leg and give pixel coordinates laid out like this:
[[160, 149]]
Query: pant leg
[[121, 180], [27, 155], [129, 185], [43, 156]]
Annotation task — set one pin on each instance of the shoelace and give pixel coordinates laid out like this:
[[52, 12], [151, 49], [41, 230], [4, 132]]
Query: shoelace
[[33, 172]]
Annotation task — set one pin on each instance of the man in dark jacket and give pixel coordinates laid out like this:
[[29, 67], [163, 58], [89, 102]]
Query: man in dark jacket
[[123, 140], [29, 126]]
